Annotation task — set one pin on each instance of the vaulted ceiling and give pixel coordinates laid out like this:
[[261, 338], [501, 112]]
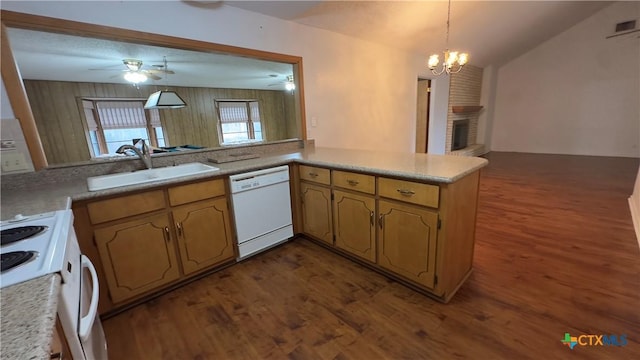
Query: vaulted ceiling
[[493, 32]]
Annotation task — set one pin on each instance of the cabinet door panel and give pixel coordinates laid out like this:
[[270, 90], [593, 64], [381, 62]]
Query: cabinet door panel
[[407, 241], [137, 256], [354, 224], [204, 234], [316, 212]]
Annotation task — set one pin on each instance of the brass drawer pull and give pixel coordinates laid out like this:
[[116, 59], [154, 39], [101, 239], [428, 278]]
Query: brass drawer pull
[[372, 218], [167, 237], [313, 174], [353, 182], [381, 220], [406, 192]]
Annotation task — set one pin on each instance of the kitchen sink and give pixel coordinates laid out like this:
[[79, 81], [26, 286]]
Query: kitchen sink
[[145, 176]]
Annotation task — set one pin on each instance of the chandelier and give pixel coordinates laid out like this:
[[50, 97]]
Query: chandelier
[[453, 60]]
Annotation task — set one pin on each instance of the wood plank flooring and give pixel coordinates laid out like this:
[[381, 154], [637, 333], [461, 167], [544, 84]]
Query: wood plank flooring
[[555, 253]]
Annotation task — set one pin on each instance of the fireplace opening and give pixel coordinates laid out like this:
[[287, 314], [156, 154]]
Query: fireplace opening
[[460, 134]]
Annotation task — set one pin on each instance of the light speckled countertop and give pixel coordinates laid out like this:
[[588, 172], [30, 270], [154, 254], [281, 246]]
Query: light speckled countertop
[[421, 167], [38, 297], [28, 317]]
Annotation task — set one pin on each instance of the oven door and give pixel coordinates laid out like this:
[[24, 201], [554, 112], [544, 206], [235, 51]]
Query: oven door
[[90, 332]]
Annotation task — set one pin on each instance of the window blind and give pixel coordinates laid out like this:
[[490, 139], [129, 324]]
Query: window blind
[[255, 111], [88, 114], [121, 114], [155, 117], [233, 112]]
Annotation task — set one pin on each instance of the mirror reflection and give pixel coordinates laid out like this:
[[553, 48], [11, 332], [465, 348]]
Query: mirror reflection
[[88, 96]]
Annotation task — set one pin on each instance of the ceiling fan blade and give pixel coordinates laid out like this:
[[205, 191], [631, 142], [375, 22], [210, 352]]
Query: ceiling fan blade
[[159, 71]]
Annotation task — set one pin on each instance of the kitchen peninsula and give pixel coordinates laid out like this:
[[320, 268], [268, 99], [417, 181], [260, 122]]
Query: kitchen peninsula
[[436, 194]]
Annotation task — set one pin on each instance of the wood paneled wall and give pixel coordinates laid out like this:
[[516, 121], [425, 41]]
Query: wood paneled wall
[[59, 117]]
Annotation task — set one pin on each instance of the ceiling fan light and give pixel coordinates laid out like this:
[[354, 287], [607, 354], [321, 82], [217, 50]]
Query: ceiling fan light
[[132, 64], [164, 99], [135, 77]]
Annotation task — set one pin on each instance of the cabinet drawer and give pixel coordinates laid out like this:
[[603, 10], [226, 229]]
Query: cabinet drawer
[[315, 174], [354, 181], [416, 193], [183, 194], [125, 206]]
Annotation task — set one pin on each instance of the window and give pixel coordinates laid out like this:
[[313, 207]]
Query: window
[[113, 123], [239, 121]]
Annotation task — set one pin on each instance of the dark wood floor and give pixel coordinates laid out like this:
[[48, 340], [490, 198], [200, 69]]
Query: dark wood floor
[[555, 253]]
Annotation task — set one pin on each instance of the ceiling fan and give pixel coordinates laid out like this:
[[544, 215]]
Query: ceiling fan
[[134, 73], [288, 83]]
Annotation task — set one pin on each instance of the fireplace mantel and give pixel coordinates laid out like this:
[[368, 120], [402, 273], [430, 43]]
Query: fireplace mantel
[[466, 109]]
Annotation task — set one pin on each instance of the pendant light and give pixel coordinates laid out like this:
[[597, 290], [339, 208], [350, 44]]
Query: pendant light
[[164, 99], [453, 60]]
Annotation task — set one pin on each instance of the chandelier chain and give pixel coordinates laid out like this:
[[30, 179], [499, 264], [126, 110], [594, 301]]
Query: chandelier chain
[[448, 20]]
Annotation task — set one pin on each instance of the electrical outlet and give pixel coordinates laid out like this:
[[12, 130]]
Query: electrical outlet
[[13, 162]]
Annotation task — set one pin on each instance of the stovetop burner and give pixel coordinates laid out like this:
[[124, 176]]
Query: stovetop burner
[[9, 236], [15, 258]]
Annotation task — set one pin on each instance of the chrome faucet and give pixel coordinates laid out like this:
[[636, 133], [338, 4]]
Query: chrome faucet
[[145, 154]]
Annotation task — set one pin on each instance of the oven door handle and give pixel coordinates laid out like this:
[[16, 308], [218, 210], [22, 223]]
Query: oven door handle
[[86, 322]]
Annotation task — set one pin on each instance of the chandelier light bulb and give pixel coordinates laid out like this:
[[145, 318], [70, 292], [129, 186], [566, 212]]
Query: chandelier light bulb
[[290, 86], [463, 59], [433, 61], [451, 58]]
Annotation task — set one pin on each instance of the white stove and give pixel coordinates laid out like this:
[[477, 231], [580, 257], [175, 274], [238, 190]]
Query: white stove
[[51, 243], [46, 247]]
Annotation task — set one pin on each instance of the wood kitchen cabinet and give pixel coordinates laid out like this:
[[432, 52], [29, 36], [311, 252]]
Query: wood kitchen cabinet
[[421, 234], [354, 221], [407, 241], [315, 198], [354, 213], [137, 256], [144, 242], [316, 212], [204, 234]]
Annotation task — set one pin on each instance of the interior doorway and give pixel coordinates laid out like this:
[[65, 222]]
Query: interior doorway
[[422, 115]]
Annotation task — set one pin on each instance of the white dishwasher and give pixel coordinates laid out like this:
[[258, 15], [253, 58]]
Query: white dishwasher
[[261, 209]]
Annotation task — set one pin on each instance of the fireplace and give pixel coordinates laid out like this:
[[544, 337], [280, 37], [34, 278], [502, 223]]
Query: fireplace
[[459, 134]]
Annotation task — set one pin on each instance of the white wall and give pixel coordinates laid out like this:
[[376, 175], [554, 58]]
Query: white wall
[[6, 112], [13, 145], [577, 93], [363, 95]]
